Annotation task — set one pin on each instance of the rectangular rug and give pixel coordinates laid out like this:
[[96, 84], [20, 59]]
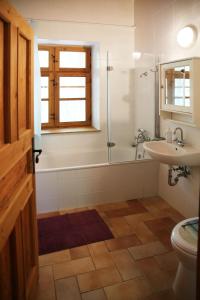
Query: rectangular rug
[[71, 230]]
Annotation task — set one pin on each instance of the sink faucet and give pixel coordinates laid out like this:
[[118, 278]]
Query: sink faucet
[[142, 136], [179, 141]]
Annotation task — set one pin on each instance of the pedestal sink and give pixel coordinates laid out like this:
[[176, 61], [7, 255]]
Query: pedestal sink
[[172, 154]]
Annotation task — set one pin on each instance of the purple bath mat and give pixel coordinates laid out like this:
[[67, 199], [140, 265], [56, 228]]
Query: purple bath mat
[[71, 230]]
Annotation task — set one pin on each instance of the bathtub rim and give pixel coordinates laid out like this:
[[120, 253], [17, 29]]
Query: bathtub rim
[[90, 166]]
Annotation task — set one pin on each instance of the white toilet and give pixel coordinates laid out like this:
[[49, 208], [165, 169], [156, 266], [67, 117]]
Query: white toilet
[[184, 241]]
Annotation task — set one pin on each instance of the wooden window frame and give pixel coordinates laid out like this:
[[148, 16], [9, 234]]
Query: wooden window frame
[[54, 72]]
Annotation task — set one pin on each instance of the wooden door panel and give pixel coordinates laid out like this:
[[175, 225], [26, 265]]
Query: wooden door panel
[[9, 156], [11, 264], [11, 180], [1, 83], [11, 92], [6, 290], [11, 209], [23, 66], [18, 230], [30, 246]]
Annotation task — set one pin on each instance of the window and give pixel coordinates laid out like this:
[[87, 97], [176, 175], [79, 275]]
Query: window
[[65, 86]]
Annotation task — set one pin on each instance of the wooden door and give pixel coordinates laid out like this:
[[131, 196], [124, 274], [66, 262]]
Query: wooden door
[[18, 231]]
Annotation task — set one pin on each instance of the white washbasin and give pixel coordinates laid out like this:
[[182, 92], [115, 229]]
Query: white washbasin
[[173, 154]]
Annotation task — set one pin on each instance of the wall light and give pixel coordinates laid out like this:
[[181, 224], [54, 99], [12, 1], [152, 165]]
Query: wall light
[[187, 36], [137, 55]]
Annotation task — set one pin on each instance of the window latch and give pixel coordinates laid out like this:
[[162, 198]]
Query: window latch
[[52, 116], [54, 59], [54, 82]]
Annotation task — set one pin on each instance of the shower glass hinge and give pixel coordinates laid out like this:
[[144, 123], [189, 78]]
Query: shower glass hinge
[[110, 144], [109, 68]]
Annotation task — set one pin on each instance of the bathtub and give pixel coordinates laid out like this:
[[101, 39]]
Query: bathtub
[[85, 179]]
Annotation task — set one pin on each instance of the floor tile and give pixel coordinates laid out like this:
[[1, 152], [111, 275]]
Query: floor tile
[[45, 288], [111, 206], [108, 270], [160, 223], [55, 257], [103, 260], [73, 267], [122, 242], [167, 261], [174, 214], [120, 227], [134, 220], [125, 264], [154, 201], [97, 248], [79, 252], [144, 234], [98, 279], [133, 289], [164, 295], [94, 295], [147, 250], [164, 236], [159, 279], [136, 206], [72, 210], [137, 209], [67, 288]]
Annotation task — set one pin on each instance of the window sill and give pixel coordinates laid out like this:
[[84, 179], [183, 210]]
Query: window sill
[[69, 130]]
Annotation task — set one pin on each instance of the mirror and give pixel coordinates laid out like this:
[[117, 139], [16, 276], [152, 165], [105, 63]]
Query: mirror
[[178, 86]]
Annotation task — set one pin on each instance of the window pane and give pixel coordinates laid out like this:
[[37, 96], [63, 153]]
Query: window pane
[[179, 101], [44, 111], [69, 59], [179, 82], [44, 87], [72, 81], [72, 111], [187, 82], [187, 102], [187, 92], [72, 92], [44, 58], [178, 92]]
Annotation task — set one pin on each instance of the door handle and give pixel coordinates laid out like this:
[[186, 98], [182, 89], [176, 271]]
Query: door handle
[[38, 151]]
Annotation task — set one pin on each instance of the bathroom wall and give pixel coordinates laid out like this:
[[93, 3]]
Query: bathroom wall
[[157, 23], [109, 26]]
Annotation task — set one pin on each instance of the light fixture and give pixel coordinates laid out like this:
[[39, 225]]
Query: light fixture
[[137, 55], [187, 36]]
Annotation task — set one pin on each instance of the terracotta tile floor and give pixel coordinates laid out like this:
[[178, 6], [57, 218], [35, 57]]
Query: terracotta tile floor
[[138, 264]]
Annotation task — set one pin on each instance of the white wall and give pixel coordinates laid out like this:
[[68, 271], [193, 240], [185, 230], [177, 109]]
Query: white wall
[[105, 11], [108, 24], [157, 23]]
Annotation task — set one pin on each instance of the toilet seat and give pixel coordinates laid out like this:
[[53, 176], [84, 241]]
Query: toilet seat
[[184, 238]]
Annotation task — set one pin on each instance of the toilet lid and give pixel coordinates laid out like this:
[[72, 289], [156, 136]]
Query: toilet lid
[[185, 235]]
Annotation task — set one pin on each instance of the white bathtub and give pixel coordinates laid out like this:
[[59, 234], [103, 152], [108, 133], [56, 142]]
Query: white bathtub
[[83, 179]]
